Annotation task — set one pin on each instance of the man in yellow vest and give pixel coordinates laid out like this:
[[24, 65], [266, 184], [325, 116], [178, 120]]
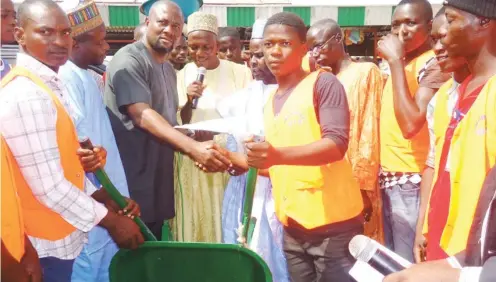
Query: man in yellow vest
[[404, 139], [465, 153], [316, 197], [465, 141], [41, 143], [458, 68], [363, 84]]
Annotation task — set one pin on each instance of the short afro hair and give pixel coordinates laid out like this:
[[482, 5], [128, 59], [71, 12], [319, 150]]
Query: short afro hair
[[229, 32], [291, 20], [425, 5]]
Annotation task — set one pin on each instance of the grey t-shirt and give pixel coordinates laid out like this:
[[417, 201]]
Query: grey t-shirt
[[133, 76]]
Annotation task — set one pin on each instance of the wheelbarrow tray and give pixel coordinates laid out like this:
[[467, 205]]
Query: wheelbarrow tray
[[188, 262]]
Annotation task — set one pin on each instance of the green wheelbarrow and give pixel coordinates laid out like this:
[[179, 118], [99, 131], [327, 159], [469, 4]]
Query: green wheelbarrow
[[195, 262], [157, 261]]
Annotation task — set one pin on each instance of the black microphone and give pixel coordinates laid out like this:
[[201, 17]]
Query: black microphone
[[369, 251], [199, 77]]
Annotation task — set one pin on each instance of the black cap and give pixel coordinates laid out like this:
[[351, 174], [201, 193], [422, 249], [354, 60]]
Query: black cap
[[481, 8]]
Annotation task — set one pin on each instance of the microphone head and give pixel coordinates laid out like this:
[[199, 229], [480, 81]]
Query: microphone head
[[362, 248], [202, 70]]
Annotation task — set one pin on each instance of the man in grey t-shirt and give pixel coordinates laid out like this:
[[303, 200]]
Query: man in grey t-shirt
[[141, 95]]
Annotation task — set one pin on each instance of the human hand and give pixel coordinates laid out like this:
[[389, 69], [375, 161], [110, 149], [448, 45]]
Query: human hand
[[31, 262], [91, 160], [239, 164], [419, 247], [132, 209], [195, 90], [260, 154], [123, 230], [437, 271], [390, 48], [367, 206], [208, 157]]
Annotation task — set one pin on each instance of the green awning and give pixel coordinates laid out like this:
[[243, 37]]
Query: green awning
[[124, 16]]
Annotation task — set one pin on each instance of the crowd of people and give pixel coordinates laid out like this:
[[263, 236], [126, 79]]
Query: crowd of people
[[407, 160]]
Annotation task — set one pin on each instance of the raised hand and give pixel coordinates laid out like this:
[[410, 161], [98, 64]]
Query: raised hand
[[391, 48]]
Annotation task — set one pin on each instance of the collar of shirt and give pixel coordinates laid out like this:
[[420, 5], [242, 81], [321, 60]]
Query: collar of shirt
[[37, 67], [47, 75]]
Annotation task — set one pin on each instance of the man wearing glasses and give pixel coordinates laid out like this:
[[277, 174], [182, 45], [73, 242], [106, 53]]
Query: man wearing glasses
[[363, 84]]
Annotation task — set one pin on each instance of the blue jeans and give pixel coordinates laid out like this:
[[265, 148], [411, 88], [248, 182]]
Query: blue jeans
[[93, 266], [56, 270], [400, 209]]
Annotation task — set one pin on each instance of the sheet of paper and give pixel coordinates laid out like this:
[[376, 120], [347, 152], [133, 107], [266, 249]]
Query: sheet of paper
[[225, 125], [363, 272]]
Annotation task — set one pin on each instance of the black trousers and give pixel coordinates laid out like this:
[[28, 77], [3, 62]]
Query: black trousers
[[319, 257]]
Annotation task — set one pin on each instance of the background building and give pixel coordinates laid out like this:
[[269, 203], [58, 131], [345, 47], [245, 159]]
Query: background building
[[364, 21]]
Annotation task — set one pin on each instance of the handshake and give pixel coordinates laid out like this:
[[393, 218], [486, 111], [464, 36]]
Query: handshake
[[211, 157]]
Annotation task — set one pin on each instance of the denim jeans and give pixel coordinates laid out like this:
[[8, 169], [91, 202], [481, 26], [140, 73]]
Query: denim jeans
[[400, 209], [317, 258]]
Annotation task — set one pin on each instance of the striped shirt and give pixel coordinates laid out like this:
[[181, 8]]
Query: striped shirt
[[28, 119]]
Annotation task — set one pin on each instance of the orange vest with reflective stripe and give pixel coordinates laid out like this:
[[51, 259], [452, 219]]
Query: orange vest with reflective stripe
[[313, 196], [39, 221], [397, 153]]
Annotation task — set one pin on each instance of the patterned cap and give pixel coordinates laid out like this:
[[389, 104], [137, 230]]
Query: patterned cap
[[84, 17], [258, 29], [202, 21]]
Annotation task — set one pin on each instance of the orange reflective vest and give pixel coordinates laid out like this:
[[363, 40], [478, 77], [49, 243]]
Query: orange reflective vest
[[397, 153], [39, 221], [12, 223], [472, 155], [313, 196]]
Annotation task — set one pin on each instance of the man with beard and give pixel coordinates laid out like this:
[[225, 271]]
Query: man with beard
[[91, 120], [363, 84], [316, 197], [41, 145], [179, 55], [459, 70], [7, 35], [230, 46], [141, 94], [404, 138], [202, 194]]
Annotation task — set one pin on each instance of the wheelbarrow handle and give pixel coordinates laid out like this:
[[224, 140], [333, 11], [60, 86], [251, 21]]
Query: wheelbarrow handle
[[251, 183], [102, 176]]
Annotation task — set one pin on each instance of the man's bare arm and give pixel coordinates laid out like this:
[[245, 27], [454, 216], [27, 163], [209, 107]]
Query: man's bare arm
[[152, 122], [149, 120], [409, 111]]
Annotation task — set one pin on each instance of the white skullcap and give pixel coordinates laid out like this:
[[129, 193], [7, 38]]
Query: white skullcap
[[258, 29], [202, 21]]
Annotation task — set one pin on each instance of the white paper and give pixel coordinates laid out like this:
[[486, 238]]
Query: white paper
[[237, 126]]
